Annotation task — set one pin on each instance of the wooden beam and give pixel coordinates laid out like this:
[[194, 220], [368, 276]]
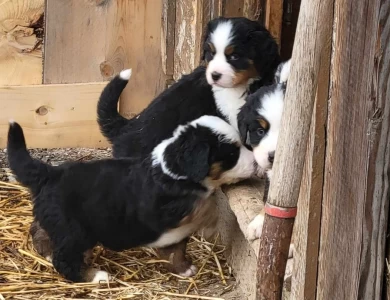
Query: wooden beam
[[100, 38], [293, 138], [274, 17], [356, 183], [75, 41], [168, 37], [21, 35], [307, 224], [191, 19], [134, 41], [53, 116]]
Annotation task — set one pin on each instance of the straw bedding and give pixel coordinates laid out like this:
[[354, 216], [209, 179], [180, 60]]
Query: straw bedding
[[138, 274]]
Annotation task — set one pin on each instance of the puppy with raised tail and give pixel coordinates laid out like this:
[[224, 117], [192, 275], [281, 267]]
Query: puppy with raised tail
[[240, 55], [122, 203]]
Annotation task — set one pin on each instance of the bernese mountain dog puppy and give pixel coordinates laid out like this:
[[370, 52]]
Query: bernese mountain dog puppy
[[240, 54], [158, 201], [259, 122]]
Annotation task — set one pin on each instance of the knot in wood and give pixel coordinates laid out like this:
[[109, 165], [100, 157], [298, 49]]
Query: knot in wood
[[42, 110]]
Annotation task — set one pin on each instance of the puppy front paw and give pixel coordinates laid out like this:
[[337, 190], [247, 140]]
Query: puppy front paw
[[255, 227], [96, 276], [191, 271]]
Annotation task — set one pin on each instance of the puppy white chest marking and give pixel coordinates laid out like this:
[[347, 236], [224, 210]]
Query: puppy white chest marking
[[229, 101]]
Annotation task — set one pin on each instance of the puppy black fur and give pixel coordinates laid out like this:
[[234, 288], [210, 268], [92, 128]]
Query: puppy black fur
[[189, 98], [120, 203]]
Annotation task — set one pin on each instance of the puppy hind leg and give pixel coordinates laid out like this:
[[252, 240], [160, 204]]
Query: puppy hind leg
[[41, 240], [178, 262], [69, 263]]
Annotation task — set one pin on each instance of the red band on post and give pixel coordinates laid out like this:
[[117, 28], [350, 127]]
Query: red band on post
[[280, 212]]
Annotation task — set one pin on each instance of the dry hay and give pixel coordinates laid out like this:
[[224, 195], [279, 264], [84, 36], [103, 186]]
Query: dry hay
[[138, 273]]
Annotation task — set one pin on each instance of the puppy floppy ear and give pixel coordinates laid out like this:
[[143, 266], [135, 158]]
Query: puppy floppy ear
[[243, 128], [194, 161], [265, 53], [188, 156]]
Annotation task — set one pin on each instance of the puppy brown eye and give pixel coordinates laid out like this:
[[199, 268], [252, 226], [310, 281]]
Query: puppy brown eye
[[234, 56], [260, 132]]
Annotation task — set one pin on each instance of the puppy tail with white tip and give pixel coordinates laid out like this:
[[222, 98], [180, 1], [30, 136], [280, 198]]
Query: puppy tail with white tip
[[109, 119], [29, 172]]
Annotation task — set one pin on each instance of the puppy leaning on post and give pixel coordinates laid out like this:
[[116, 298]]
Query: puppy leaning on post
[[259, 122], [121, 203]]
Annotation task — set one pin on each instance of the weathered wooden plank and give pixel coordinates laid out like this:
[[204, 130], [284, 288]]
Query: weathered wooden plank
[[191, 19], [168, 36], [356, 183], [233, 8], [293, 138], [216, 8], [75, 41], [21, 30], [53, 116], [273, 18], [253, 9], [134, 41], [91, 41], [307, 223]]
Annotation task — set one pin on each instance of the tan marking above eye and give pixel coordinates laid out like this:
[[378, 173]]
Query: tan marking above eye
[[212, 48], [263, 123], [229, 50]]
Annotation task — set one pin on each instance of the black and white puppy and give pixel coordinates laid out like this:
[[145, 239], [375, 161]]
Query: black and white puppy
[[237, 52], [122, 203], [259, 124]]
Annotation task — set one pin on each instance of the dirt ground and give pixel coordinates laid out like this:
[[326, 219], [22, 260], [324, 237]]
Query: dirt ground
[[22, 266]]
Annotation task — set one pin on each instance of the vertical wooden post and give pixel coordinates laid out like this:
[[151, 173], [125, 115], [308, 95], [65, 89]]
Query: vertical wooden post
[[288, 169], [274, 17], [356, 183], [307, 224]]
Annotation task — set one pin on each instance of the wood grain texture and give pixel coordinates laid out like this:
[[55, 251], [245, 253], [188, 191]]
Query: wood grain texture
[[233, 8], [253, 9], [307, 224], [53, 116], [299, 101], [75, 41], [356, 183], [20, 41], [274, 17], [168, 36], [134, 41], [275, 241], [88, 41], [191, 19], [296, 120]]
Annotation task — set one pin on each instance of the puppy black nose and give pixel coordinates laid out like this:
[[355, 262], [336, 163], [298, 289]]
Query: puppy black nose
[[271, 156], [216, 76]]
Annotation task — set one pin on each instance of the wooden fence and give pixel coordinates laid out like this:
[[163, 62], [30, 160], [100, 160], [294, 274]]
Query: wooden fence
[[55, 56]]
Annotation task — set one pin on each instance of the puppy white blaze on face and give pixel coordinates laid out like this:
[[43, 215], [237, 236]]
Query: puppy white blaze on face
[[219, 71], [271, 111]]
